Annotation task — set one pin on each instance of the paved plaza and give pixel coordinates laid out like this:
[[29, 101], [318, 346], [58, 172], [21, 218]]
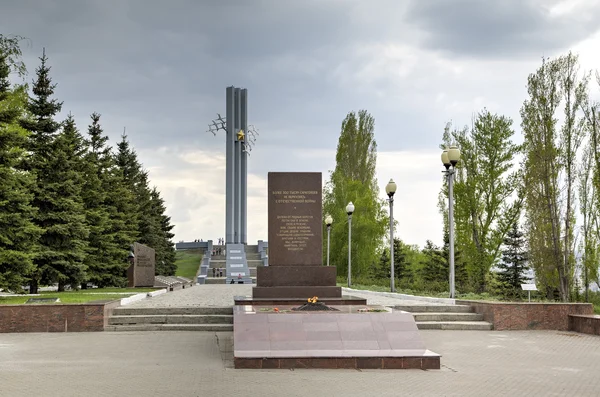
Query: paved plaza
[[474, 363], [220, 295]]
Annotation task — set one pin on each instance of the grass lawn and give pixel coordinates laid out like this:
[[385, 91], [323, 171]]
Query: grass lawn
[[188, 263], [81, 296]]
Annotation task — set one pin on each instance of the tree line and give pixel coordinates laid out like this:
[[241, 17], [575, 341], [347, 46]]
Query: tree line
[[71, 205], [533, 205]]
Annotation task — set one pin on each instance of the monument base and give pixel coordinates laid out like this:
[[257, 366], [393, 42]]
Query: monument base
[[301, 282], [342, 301], [354, 337]]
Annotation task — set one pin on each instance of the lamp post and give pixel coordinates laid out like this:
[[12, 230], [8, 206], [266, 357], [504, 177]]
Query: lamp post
[[349, 211], [450, 158], [328, 222], [390, 189]]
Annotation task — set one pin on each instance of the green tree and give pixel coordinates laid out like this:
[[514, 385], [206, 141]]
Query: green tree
[[401, 270], [12, 55], [18, 233], [42, 109], [354, 180], [68, 235], [512, 268], [165, 248], [484, 187], [109, 210], [435, 270], [550, 169]]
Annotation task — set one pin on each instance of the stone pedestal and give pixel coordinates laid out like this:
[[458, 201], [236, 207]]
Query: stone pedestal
[[295, 268]]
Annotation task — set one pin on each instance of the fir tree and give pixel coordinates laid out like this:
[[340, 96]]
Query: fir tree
[[400, 265], [165, 258], [107, 207], [514, 264], [18, 233], [67, 236], [42, 109], [435, 268]]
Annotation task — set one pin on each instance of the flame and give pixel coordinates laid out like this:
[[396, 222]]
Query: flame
[[314, 299]]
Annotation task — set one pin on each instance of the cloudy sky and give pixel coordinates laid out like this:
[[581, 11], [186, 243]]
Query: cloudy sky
[[160, 68]]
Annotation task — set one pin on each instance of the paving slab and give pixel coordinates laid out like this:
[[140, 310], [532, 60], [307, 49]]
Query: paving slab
[[222, 295], [474, 363]]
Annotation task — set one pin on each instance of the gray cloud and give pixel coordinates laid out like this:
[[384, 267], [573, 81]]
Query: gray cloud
[[501, 28], [161, 68]]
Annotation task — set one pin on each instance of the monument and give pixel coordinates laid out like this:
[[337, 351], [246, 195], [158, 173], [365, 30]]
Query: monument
[[296, 272], [239, 140], [297, 317], [295, 240], [141, 271]]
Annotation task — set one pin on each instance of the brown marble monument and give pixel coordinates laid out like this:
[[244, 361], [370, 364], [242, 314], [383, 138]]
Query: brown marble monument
[[295, 240], [141, 272]]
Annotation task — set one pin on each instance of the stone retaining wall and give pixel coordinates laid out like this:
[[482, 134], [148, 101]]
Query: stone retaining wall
[[56, 317], [585, 324], [524, 316]]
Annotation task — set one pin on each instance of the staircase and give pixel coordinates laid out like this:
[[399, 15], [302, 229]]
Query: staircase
[[171, 319], [218, 262], [447, 317]]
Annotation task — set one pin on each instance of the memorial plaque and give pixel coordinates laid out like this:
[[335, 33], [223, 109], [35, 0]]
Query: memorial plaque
[[141, 273], [295, 219]]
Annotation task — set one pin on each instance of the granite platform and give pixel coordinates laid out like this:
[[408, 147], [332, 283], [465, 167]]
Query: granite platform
[[353, 336], [343, 300]]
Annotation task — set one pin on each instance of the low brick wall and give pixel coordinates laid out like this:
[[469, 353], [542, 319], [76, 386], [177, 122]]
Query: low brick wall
[[585, 324], [56, 318], [524, 316]]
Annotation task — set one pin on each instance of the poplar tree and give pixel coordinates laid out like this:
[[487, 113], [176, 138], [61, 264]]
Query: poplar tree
[[354, 180]]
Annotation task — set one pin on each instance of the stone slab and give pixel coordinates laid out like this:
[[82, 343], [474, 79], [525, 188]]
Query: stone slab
[[344, 300], [351, 337], [303, 292], [286, 276], [141, 272], [295, 219]]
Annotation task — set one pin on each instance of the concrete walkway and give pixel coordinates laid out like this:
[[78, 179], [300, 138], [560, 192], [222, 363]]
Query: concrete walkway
[[474, 363], [222, 295]]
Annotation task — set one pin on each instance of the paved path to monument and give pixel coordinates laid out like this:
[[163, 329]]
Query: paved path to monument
[[474, 363], [222, 295]]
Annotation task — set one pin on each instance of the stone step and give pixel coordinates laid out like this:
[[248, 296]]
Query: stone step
[[171, 327], [150, 311], [222, 265], [171, 319], [435, 308], [455, 325], [209, 273], [448, 316], [222, 280]]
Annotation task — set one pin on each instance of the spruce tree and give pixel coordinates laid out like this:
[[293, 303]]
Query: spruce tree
[[18, 233], [67, 237], [107, 205], [435, 267], [165, 255], [153, 225], [43, 128], [511, 271]]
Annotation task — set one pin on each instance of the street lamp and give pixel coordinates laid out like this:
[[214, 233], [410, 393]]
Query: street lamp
[[349, 211], [450, 158], [328, 222], [390, 189]]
